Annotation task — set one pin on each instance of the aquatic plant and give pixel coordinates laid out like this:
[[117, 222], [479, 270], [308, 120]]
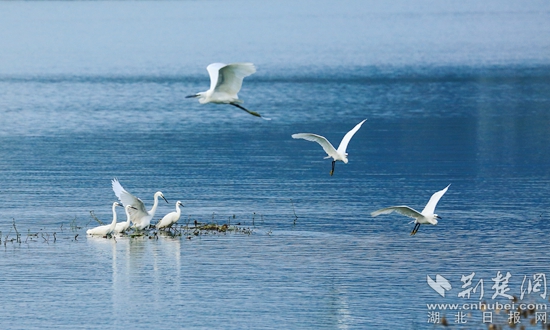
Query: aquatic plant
[[74, 226], [92, 214], [191, 229], [294, 210], [17, 235]]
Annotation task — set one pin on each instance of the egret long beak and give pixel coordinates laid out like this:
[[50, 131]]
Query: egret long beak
[[164, 198], [190, 96]]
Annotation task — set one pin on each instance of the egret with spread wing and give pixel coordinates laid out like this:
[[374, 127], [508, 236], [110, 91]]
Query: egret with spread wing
[[226, 81], [141, 218], [427, 216], [336, 154]]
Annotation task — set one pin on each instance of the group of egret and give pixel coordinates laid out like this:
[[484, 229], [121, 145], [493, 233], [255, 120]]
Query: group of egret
[[114, 227], [427, 216], [225, 82], [136, 213]]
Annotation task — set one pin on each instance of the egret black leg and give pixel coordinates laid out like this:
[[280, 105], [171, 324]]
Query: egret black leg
[[415, 229], [332, 171], [253, 113]]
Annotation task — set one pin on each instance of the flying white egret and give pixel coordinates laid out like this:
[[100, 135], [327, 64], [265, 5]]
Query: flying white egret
[[105, 229], [427, 216], [226, 81], [123, 226], [336, 154], [141, 218], [171, 218]]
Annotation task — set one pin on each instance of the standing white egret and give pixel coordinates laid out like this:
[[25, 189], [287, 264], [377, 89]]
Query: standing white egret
[[336, 154], [427, 216], [105, 229], [226, 81], [123, 226], [171, 218], [141, 218]]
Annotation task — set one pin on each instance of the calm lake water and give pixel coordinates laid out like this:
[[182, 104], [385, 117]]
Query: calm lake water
[[454, 93]]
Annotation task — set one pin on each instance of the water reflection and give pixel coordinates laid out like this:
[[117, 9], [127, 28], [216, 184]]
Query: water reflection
[[63, 124], [339, 305], [166, 253], [143, 271]]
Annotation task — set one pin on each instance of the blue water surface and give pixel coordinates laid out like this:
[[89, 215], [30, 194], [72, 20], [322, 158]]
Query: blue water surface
[[453, 93]]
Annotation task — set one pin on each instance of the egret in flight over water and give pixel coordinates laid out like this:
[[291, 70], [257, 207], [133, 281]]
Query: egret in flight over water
[[105, 229], [171, 218], [427, 216], [226, 81], [336, 154], [141, 218]]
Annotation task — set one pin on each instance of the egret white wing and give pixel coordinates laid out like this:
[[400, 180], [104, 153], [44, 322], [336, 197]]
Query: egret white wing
[[125, 197], [167, 220], [345, 141], [121, 226], [213, 70], [100, 230], [327, 146], [432, 203], [128, 199], [402, 209], [230, 77]]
